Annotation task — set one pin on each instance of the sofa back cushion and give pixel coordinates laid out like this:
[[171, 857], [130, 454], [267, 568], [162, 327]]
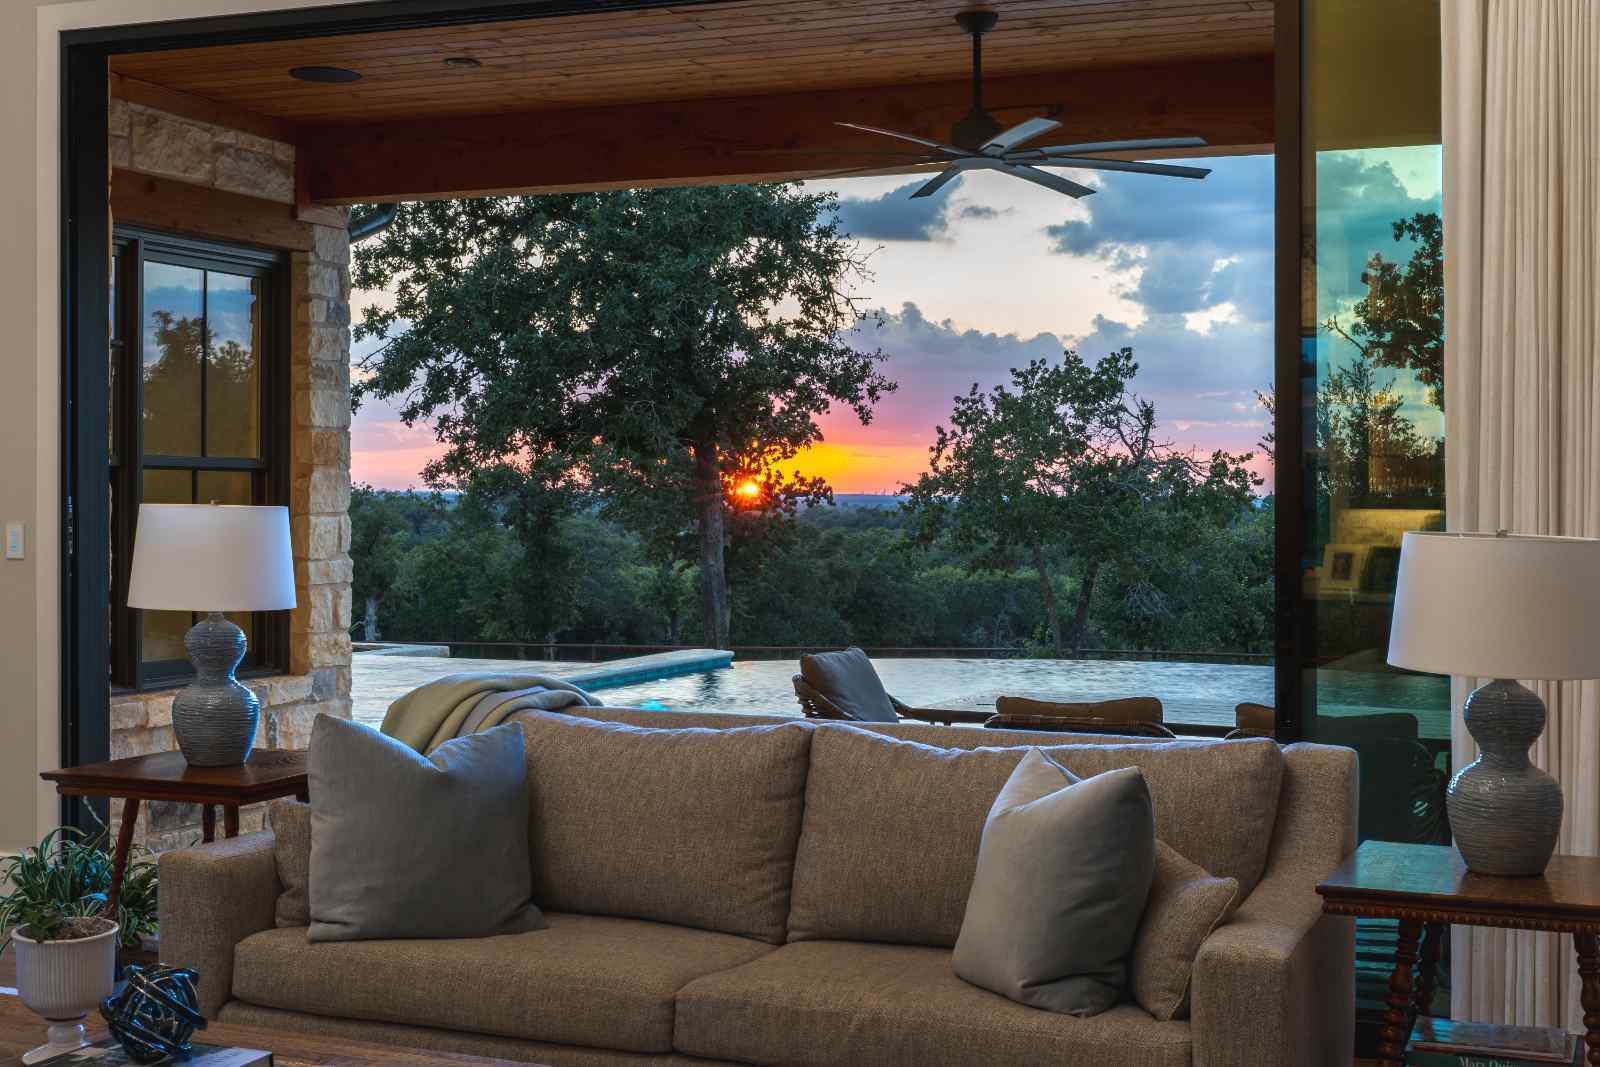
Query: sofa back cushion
[[695, 827], [890, 838]]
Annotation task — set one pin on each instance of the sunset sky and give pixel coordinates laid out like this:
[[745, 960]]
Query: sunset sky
[[996, 271]]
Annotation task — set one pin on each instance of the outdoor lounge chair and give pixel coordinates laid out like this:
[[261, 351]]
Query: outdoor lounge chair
[[1128, 716], [844, 685], [1401, 786]]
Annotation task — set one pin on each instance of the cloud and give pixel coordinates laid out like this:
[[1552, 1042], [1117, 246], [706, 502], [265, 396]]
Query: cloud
[[1202, 382], [1184, 246], [1359, 199], [894, 216]]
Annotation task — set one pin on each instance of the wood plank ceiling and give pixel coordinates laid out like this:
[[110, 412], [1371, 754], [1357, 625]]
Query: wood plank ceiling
[[648, 60], [735, 48]]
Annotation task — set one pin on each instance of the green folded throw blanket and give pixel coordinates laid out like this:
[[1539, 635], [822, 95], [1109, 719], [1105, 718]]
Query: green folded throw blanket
[[459, 704]]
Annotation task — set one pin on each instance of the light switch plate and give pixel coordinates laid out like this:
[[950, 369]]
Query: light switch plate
[[14, 545]]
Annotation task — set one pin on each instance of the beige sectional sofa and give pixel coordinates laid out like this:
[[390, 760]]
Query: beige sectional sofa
[[796, 907]]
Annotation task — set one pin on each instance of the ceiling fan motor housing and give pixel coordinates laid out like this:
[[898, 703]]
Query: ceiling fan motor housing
[[974, 130]]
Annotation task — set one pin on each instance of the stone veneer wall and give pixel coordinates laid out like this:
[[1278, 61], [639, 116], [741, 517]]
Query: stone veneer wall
[[154, 142]]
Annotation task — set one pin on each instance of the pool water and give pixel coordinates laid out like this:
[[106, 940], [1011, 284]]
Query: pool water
[[1191, 692]]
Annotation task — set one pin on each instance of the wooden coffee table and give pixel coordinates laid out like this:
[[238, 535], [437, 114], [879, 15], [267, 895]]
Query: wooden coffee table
[[21, 1030]]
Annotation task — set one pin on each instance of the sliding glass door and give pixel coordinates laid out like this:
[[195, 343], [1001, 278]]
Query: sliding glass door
[[1372, 422]]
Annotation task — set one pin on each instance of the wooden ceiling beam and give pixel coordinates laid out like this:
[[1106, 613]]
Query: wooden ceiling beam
[[687, 142]]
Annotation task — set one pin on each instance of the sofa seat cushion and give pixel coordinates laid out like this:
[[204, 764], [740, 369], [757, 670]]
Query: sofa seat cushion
[[599, 982], [889, 840], [821, 1003]]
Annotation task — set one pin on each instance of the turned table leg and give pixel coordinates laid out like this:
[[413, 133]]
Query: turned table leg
[[208, 823], [1433, 935], [1588, 946], [1397, 1015], [119, 858], [230, 820]]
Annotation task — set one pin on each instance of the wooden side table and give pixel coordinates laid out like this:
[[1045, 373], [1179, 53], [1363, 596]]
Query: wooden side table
[[268, 774], [1428, 887]]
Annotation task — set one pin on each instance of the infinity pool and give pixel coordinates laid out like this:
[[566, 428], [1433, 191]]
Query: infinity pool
[[1191, 692]]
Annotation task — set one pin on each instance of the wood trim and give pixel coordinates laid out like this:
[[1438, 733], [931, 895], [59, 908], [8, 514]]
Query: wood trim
[[1507, 917], [180, 207], [201, 109], [85, 461], [1294, 629], [1228, 102]]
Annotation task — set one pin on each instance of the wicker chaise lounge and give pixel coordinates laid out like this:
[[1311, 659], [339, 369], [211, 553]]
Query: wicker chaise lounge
[[844, 685]]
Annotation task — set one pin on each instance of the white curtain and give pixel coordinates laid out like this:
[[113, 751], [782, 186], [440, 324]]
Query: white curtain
[[1522, 383]]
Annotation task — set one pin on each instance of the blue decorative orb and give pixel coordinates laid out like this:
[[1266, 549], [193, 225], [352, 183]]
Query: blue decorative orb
[[155, 1015]]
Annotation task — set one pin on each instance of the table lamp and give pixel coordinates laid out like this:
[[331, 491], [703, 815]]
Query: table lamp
[[213, 558], [1500, 607]]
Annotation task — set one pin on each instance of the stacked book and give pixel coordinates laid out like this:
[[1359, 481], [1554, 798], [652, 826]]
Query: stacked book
[[1444, 1043]]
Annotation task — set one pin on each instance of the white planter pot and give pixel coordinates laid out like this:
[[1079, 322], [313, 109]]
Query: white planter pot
[[63, 981]]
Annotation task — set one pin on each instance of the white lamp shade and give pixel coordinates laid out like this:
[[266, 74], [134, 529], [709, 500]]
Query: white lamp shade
[[1497, 607], [211, 557]]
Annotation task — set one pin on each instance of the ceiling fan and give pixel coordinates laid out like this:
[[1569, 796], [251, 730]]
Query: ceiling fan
[[979, 142]]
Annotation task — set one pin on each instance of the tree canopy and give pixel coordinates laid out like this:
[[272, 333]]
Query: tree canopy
[[1064, 458], [680, 341]]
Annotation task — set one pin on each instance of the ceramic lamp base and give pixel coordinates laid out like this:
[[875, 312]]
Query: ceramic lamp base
[[215, 718], [1505, 813], [63, 1038]]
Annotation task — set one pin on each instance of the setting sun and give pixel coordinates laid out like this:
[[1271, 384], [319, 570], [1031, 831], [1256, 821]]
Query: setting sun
[[749, 489]]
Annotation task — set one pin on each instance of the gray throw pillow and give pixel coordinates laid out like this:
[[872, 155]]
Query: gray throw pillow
[[1063, 871], [290, 821], [1185, 905], [849, 680], [405, 845]]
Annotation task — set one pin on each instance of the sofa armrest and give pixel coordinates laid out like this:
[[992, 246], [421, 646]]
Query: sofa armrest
[[1277, 984], [212, 897]]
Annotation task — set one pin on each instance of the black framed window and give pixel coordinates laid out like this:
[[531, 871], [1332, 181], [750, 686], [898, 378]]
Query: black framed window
[[199, 362]]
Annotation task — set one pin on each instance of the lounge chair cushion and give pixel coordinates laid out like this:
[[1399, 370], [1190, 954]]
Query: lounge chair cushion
[[1122, 709], [696, 826], [889, 840], [586, 980], [824, 1003], [848, 679]]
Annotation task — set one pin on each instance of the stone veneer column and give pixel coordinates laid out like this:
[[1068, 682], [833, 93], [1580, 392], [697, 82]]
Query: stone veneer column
[[150, 141], [319, 504]]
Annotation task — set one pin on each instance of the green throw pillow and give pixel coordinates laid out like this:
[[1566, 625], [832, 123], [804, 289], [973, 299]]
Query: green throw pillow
[[1063, 871]]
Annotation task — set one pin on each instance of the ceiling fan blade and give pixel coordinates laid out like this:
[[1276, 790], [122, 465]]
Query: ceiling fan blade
[[835, 153], [947, 149], [887, 170], [1123, 146], [1163, 169], [945, 177], [1023, 131], [1048, 180]]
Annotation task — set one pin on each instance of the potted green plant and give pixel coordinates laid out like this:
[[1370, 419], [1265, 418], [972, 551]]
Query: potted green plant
[[66, 948]]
